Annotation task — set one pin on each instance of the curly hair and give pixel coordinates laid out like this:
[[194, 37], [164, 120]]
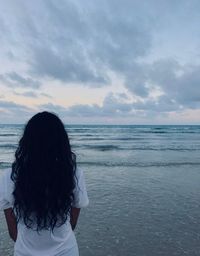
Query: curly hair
[[43, 174]]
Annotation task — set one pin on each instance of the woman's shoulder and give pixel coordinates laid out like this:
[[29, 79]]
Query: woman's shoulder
[[6, 182], [5, 176], [79, 175], [80, 192], [6, 189], [78, 172]]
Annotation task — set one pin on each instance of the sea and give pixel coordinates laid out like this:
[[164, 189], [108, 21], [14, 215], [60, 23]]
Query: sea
[[143, 183]]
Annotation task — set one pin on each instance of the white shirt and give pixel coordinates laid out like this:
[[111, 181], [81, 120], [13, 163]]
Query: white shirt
[[61, 241]]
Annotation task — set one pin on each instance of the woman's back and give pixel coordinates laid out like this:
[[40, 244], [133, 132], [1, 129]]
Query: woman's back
[[43, 188]]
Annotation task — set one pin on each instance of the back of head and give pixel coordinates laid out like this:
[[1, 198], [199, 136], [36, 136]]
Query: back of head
[[43, 173]]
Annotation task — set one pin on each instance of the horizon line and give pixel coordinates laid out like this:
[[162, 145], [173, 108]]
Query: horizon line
[[83, 124]]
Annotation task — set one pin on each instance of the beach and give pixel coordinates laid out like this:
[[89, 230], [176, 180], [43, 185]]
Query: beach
[[143, 186]]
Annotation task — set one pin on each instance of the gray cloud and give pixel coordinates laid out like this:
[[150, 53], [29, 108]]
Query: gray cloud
[[83, 41], [79, 42], [179, 83], [65, 68], [13, 79], [11, 112], [116, 105], [112, 106], [162, 104], [30, 94], [9, 105], [52, 107], [188, 86], [46, 95]]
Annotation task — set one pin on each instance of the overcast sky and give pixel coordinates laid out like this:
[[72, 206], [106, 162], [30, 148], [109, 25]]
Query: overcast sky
[[108, 61]]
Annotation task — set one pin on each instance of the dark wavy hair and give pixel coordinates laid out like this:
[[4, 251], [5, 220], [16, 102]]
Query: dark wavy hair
[[43, 173]]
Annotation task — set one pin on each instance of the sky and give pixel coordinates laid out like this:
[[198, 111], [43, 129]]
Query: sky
[[100, 62]]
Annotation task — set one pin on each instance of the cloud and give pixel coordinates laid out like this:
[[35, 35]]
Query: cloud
[[52, 108], [30, 94], [73, 68], [11, 112], [179, 83], [111, 108], [78, 42], [163, 104], [13, 79], [9, 105], [113, 105], [85, 42], [187, 86], [82, 43], [46, 95]]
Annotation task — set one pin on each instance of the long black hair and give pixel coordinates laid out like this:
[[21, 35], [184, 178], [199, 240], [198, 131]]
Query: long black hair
[[43, 173]]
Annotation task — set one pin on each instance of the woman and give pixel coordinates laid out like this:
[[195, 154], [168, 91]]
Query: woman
[[43, 193]]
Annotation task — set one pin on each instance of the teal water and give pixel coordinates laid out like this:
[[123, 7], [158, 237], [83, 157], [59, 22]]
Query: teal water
[[143, 184]]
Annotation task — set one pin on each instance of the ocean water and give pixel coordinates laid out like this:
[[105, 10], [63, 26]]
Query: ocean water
[[144, 188]]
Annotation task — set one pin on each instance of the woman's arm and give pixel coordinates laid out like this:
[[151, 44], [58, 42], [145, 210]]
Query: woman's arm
[[74, 216], [11, 223]]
